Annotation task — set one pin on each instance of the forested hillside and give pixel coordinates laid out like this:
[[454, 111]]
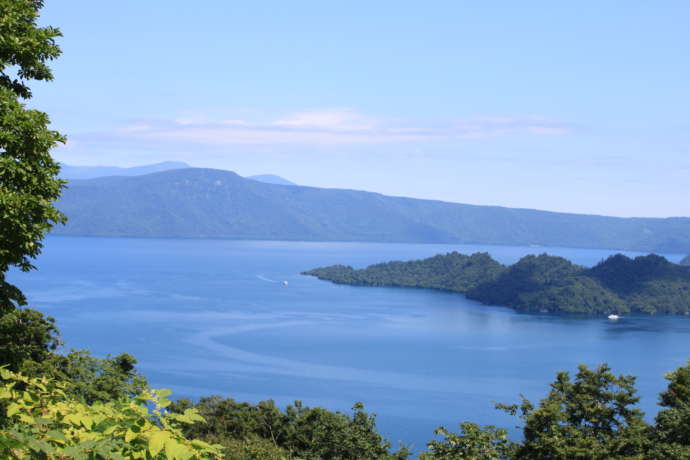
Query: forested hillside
[[647, 284], [208, 203], [452, 272]]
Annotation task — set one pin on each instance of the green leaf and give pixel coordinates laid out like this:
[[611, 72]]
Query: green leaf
[[27, 419], [163, 392], [129, 435], [56, 436], [177, 451], [87, 421], [75, 453], [12, 409], [200, 444], [157, 442], [193, 415], [72, 419]]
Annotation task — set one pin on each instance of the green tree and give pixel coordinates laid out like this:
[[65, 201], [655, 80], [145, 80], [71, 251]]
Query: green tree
[[672, 431], [591, 417], [26, 337], [90, 379], [29, 183], [473, 443], [262, 430]]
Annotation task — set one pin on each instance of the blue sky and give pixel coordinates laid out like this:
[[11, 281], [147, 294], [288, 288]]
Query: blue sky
[[567, 106]]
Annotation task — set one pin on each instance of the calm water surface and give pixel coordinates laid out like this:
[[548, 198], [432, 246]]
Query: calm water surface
[[212, 317]]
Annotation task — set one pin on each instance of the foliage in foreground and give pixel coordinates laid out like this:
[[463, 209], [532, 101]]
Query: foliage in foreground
[[590, 417], [29, 182], [43, 422], [264, 431], [90, 379], [473, 442]]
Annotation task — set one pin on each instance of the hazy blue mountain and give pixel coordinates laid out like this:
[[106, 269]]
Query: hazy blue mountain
[[91, 172], [209, 203], [686, 260], [271, 179]]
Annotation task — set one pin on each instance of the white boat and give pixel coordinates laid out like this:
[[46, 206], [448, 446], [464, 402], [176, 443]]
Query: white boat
[[613, 316], [285, 283]]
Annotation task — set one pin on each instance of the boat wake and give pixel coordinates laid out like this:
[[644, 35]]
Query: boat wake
[[268, 280]]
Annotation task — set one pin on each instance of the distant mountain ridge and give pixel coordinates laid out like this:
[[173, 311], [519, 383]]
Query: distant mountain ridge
[[209, 203], [72, 172], [271, 179], [686, 260], [92, 172]]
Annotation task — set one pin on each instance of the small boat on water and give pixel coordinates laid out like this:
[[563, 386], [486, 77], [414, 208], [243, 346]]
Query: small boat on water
[[285, 283], [613, 317]]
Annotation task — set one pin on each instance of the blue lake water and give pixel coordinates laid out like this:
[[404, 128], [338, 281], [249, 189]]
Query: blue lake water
[[212, 317]]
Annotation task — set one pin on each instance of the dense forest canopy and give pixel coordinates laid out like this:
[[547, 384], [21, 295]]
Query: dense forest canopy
[[646, 284]]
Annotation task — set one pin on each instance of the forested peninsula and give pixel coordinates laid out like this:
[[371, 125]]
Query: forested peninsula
[[537, 283]]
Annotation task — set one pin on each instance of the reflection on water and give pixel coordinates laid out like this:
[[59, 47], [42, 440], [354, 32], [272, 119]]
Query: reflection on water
[[208, 317]]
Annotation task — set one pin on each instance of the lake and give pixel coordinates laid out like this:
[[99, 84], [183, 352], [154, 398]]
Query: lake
[[213, 317]]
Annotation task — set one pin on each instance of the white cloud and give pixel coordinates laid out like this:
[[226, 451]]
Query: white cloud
[[336, 126], [498, 126], [330, 119]]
